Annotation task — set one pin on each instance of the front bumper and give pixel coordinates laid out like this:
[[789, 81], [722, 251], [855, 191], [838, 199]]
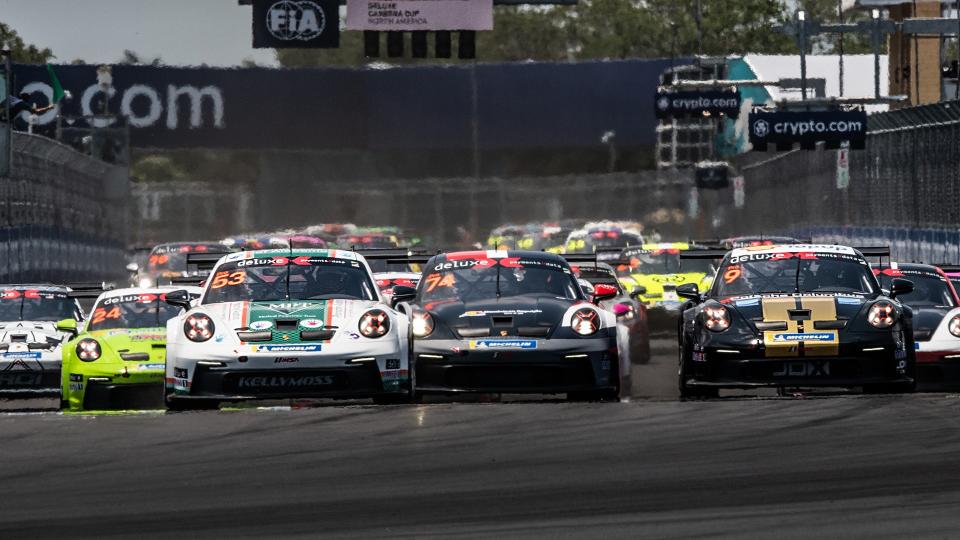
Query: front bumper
[[381, 369], [121, 388], [553, 366], [879, 360], [29, 378], [938, 362]]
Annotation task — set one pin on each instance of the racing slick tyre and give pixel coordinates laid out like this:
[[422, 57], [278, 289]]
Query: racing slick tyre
[[391, 399], [911, 371], [686, 391], [64, 404], [180, 405]]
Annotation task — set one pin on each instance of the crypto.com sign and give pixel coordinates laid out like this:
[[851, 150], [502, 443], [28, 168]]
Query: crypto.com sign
[[207, 107]]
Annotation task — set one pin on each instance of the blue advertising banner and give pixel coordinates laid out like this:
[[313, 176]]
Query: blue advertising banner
[[522, 105]]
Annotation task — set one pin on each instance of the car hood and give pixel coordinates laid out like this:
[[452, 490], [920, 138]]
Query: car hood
[[927, 319], [505, 312], [822, 306]]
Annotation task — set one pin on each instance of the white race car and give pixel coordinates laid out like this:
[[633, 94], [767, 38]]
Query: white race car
[[30, 342], [282, 323]]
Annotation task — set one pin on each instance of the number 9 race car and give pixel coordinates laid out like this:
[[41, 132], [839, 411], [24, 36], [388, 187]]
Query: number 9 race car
[[795, 316], [286, 323]]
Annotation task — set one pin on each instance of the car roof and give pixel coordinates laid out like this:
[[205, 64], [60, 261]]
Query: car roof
[[35, 286], [500, 254]]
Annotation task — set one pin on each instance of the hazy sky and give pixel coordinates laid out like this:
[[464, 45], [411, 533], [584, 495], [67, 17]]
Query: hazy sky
[[181, 32]]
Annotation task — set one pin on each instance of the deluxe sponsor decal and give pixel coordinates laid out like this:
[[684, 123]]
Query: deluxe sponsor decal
[[285, 381], [285, 348], [487, 344]]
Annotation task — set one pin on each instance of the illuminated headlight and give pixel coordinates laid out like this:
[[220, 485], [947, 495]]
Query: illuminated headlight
[[882, 315], [954, 326], [88, 350], [422, 324], [716, 318], [198, 327], [585, 322], [145, 283], [374, 323]]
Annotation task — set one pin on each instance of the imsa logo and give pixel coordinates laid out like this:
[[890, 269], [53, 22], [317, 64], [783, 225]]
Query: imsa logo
[[290, 20]]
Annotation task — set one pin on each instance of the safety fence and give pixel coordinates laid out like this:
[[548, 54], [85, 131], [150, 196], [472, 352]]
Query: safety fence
[[904, 187], [63, 215], [189, 211]]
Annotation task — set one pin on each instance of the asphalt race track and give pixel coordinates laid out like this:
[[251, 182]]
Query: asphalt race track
[[816, 466]]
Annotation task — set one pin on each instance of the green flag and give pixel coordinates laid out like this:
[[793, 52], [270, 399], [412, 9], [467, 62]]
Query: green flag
[[55, 82]]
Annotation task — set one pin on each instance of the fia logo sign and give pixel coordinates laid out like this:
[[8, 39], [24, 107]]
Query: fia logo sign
[[295, 20], [296, 24]]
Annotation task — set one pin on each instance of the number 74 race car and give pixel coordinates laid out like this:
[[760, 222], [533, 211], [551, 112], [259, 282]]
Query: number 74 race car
[[286, 323]]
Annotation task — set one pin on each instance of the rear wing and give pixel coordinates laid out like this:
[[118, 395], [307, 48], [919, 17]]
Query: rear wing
[[708, 254], [875, 251], [89, 289], [195, 281], [388, 254], [580, 257], [206, 260]]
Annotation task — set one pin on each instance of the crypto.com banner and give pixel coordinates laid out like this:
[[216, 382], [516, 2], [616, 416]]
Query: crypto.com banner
[[807, 128], [413, 15]]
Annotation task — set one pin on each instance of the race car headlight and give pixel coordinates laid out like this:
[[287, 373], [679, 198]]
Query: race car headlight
[[716, 318], [374, 323], [145, 283], [954, 326], [585, 322], [198, 327], [882, 315], [88, 350], [422, 324]]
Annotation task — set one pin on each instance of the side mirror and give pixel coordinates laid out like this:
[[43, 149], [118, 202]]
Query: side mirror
[[67, 325], [179, 298], [900, 286], [602, 291], [403, 294], [638, 291], [690, 291], [133, 268]]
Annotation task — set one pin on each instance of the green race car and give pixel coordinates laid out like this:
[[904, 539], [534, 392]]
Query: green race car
[[655, 270], [117, 358]]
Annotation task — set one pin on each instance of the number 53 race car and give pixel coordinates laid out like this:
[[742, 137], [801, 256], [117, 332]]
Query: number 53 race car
[[796, 316], [286, 323]]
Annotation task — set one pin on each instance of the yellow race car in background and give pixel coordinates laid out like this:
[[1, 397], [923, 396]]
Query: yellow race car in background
[[654, 271]]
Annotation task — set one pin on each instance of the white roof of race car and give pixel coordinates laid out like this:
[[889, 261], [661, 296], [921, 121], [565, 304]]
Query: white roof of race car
[[794, 248]]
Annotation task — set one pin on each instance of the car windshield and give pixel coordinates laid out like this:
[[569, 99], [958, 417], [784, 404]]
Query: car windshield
[[281, 278], [472, 277], [800, 272], [146, 310], [929, 289], [35, 305]]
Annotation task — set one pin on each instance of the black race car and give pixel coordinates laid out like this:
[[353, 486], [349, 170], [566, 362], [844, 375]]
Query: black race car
[[795, 316], [510, 322]]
